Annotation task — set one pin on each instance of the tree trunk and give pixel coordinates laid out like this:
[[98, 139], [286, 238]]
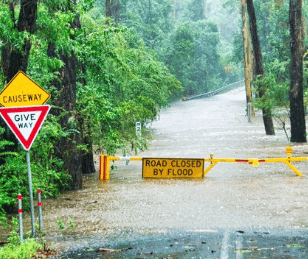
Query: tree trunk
[[112, 10], [108, 9], [248, 55], [297, 111], [115, 10], [267, 116], [88, 158], [76, 161], [66, 149], [149, 20], [5, 60], [26, 22]]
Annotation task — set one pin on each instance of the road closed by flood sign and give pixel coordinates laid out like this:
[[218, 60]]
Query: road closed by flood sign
[[172, 168]]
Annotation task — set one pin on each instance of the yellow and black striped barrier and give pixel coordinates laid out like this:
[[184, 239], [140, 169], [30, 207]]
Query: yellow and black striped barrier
[[188, 167]]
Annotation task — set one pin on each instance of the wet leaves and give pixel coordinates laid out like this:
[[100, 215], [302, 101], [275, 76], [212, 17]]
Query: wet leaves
[[47, 252], [252, 249], [295, 246], [107, 250], [189, 248]]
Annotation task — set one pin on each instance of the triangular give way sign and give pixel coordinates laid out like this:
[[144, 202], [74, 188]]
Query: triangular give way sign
[[25, 122]]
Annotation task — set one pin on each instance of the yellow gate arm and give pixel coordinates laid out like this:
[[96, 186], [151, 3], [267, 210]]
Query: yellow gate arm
[[256, 161]]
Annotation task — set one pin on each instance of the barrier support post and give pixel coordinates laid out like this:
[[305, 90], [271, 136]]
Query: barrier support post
[[289, 151], [295, 170], [104, 168], [213, 163], [210, 167]]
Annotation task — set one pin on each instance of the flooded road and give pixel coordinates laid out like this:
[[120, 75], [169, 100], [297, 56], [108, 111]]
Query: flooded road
[[231, 196]]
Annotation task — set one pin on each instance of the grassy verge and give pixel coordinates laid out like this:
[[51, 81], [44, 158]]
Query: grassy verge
[[29, 248], [21, 250]]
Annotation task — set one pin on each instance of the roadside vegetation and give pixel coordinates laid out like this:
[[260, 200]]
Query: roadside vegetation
[[17, 249]]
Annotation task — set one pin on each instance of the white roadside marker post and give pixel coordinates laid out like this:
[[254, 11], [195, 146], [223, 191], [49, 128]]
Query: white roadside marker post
[[19, 198], [39, 205]]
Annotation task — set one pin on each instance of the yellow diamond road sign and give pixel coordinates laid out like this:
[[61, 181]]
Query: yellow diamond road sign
[[22, 91]]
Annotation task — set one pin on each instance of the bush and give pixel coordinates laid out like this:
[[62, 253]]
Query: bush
[[17, 249], [47, 172], [25, 250]]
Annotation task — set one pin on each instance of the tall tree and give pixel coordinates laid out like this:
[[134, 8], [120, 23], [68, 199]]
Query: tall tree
[[108, 9], [247, 53], [197, 10], [267, 116], [112, 10], [297, 111], [26, 22], [65, 105], [66, 149], [115, 10]]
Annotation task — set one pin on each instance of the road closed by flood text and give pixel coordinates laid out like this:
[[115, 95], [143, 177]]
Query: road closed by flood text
[[172, 168]]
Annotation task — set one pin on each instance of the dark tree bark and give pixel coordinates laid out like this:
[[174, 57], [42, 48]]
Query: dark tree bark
[[87, 157], [267, 116], [149, 20], [66, 149], [77, 162], [297, 111], [247, 54], [112, 10], [65, 102], [26, 22], [115, 10], [5, 60], [108, 9]]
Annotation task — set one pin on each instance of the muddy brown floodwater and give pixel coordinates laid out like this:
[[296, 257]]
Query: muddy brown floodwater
[[230, 195]]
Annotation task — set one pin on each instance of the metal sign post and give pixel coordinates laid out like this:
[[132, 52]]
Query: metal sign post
[[138, 129], [30, 193], [249, 111]]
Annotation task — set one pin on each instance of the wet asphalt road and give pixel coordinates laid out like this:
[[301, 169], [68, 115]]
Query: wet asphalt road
[[236, 211], [222, 243]]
